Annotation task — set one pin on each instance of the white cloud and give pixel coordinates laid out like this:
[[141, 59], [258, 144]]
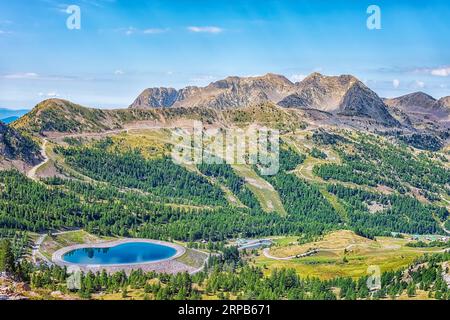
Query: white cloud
[[441, 72], [297, 77], [98, 3], [48, 95], [35, 76], [132, 30], [62, 7], [119, 72], [418, 84], [209, 29], [203, 78], [396, 83], [155, 31], [28, 75]]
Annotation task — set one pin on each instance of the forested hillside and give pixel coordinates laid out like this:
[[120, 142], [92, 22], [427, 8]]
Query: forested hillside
[[128, 194]]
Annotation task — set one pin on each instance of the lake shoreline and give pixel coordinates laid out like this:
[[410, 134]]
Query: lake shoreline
[[163, 265]]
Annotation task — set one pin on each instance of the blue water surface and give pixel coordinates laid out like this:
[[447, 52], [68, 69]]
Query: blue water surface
[[128, 253]]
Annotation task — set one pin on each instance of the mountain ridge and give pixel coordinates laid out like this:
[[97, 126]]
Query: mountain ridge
[[7, 113], [229, 92], [342, 95], [9, 120], [420, 110], [318, 100], [335, 94], [62, 116]]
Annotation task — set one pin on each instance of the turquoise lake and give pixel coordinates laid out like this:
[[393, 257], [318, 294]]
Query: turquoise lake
[[127, 253]]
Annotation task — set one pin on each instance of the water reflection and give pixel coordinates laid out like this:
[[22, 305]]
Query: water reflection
[[138, 252]]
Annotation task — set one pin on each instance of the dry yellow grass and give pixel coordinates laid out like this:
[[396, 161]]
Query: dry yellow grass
[[151, 143], [387, 253], [266, 194], [338, 240]]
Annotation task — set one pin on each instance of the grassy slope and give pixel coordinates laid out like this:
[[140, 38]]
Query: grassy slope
[[52, 244], [267, 196], [387, 253]]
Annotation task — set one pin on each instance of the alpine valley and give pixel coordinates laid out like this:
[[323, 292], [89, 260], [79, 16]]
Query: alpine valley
[[363, 181]]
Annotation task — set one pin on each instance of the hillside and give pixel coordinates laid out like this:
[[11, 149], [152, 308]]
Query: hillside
[[267, 114], [62, 116], [15, 149], [65, 116], [331, 209]]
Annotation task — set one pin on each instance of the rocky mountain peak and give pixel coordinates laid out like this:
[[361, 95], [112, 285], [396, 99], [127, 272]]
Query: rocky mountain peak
[[413, 100], [156, 98], [444, 103], [421, 110], [344, 95], [341, 95], [360, 101], [315, 76], [231, 92]]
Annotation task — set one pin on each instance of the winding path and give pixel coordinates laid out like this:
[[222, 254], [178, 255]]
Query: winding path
[[32, 173], [443, 228], [35, 253], [267, 254], [443, 223]]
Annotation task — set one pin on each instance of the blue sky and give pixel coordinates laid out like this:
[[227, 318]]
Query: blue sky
[[125, 46]]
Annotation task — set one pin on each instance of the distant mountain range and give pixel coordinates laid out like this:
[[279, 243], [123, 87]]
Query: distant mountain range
[[9, 119], [321, 101], [271, 99], [342, 96], [10, 114], [231, 92], [421, 110]]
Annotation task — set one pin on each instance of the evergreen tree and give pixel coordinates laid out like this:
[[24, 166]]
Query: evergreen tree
[[7, 262], [411, 291]]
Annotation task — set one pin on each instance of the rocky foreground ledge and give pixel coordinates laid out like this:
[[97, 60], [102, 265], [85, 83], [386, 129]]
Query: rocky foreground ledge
[[12, 290]]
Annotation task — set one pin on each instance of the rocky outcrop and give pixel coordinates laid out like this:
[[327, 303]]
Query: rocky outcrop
[[344, 96], [14, 146], [232, 92], [421, 110]]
